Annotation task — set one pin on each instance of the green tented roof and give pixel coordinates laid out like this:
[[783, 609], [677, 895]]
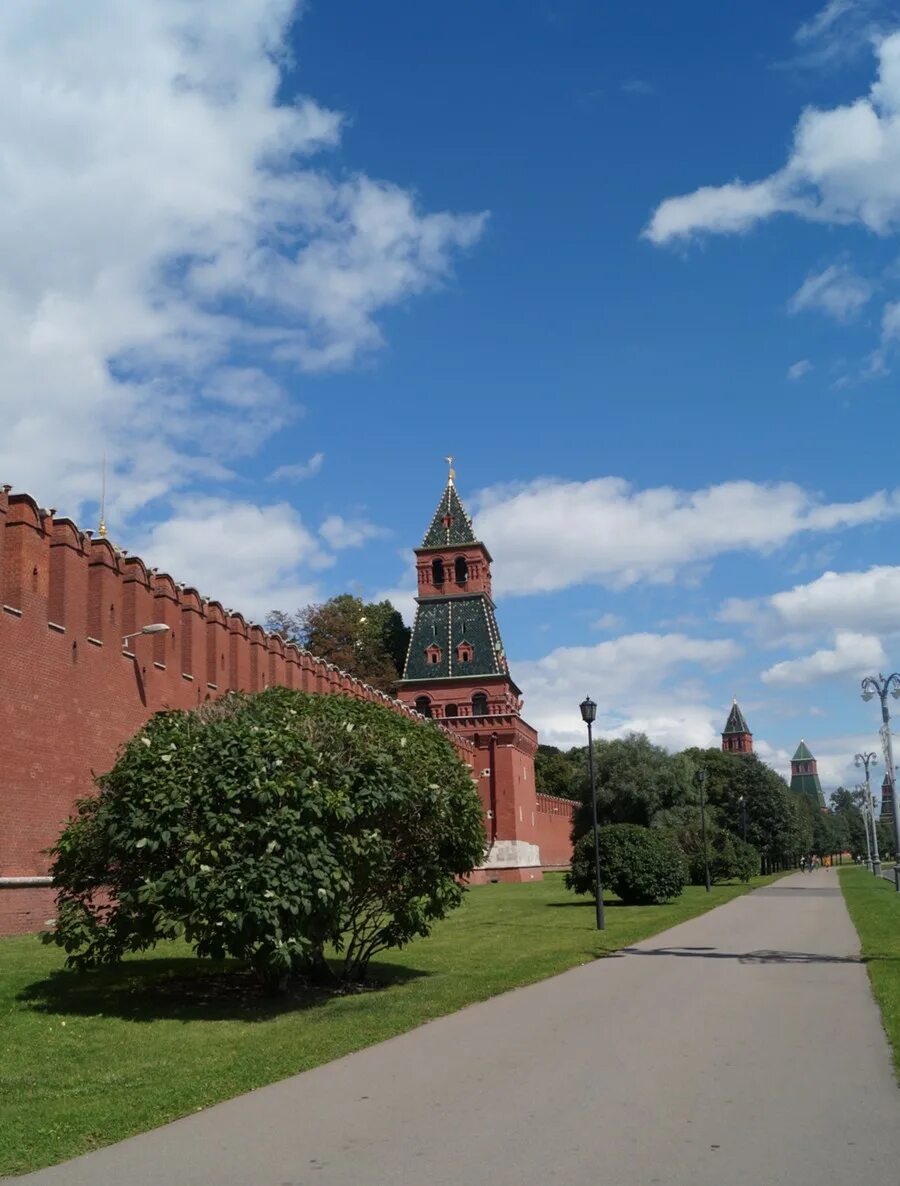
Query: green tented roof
[[803, 754], [736, 722], [446, 622], [809, 785], [451, 525]]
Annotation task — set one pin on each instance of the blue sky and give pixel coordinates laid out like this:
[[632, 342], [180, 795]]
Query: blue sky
[[636, 266]]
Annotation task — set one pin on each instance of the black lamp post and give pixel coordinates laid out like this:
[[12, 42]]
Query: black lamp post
[[743, 802], [589, 715], [700, 779]]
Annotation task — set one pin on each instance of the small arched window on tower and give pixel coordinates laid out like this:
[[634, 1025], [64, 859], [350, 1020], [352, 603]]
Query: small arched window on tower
[[423, 706], [461, 570], [433, 655], [479, 705], [437, 571], [464, 652]]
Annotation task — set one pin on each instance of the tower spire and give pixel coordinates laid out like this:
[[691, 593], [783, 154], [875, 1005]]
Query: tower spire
[[101, 527], [452, 473]]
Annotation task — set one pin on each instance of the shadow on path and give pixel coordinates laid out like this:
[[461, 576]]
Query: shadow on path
[[748, 957], [813, 891]]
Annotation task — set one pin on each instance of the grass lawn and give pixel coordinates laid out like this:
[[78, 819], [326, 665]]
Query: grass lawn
[[87, 1059], [874, 906]]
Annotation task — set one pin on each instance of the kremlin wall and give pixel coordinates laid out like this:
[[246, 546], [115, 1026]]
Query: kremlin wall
[[71, 693]]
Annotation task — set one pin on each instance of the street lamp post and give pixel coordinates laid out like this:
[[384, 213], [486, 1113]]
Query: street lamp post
[[880, 686], [743, 802], [589, 715], [861, 791], [700, 779], [873, 862]]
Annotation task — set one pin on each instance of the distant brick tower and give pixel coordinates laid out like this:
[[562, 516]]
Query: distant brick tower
[[887, 800], [805, 777], [456, 671], [736, 737]]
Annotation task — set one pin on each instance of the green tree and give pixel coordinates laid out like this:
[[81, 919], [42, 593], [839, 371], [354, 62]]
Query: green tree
[[367, 640], [265, 827], [847, 811], [557, 773], [636, 781], [640, 865]]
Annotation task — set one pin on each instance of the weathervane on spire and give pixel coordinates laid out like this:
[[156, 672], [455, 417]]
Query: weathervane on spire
[[101, 527], [452, 474]]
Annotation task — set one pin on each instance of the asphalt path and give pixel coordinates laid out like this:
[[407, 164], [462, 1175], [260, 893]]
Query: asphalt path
[[742, 1048]]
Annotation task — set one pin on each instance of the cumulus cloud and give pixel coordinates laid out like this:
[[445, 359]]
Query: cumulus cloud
[[844, 167], [865, 600], [341, 533], [837, 291], [634, 680], [252, 558], [550, 534], [852, 654], [168, 227], [798, 369]]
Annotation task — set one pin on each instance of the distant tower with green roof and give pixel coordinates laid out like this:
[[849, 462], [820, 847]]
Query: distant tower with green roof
[[736, 737], [805, 777]]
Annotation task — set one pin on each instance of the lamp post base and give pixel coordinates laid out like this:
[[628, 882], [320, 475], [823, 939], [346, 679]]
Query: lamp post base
[[876, 868]]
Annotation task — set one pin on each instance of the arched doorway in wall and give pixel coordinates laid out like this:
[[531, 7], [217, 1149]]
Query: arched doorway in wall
[[479, 705], [451, 711], [461, 570], [423, 705], [437, 571]]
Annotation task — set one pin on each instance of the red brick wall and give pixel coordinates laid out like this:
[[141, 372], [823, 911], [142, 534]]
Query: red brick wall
[[554, 830], [70, 695]]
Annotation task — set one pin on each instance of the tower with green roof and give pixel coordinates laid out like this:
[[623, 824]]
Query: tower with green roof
[[805, 777], [736, 737], [456, 672]]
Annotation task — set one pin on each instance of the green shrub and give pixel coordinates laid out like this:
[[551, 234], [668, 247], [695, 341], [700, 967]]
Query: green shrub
[[640, 865], [265, 827]]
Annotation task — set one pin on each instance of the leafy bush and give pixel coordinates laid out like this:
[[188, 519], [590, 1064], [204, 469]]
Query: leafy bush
[[640, 865], [747, 861], [265, 827]]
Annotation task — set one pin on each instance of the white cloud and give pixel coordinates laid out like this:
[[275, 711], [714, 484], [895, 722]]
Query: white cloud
[[166, 234], [251, 558], [798, 369], [865, 601], [631, 679], [844, 167], [837, 291], [299, 471], [550, 534], [607, 622], [823, 21], [342, 533], [852, 654]]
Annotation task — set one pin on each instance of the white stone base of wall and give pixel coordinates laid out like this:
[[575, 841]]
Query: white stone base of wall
[[512, 854]]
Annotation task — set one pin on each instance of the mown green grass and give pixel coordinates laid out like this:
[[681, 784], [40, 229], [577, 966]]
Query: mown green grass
[[874, 906], [87, 1059]]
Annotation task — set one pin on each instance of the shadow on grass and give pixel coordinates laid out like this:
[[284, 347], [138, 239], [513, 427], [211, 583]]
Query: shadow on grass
[[607, 904], [187, 990]]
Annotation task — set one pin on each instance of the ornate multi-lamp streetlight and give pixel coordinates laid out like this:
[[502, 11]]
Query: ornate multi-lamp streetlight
[[589, 715], [873, 862], [880, 686]]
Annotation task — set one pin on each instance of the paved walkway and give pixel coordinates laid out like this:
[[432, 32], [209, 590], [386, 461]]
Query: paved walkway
[[740, 1048]]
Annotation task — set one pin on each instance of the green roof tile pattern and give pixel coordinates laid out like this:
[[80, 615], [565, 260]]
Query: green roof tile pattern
[[447, 622], [803, 754], [735, 722], [451, 525], [809, 785]]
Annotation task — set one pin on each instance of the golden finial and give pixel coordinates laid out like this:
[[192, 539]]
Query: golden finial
[[101, 528], [452, 474]]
